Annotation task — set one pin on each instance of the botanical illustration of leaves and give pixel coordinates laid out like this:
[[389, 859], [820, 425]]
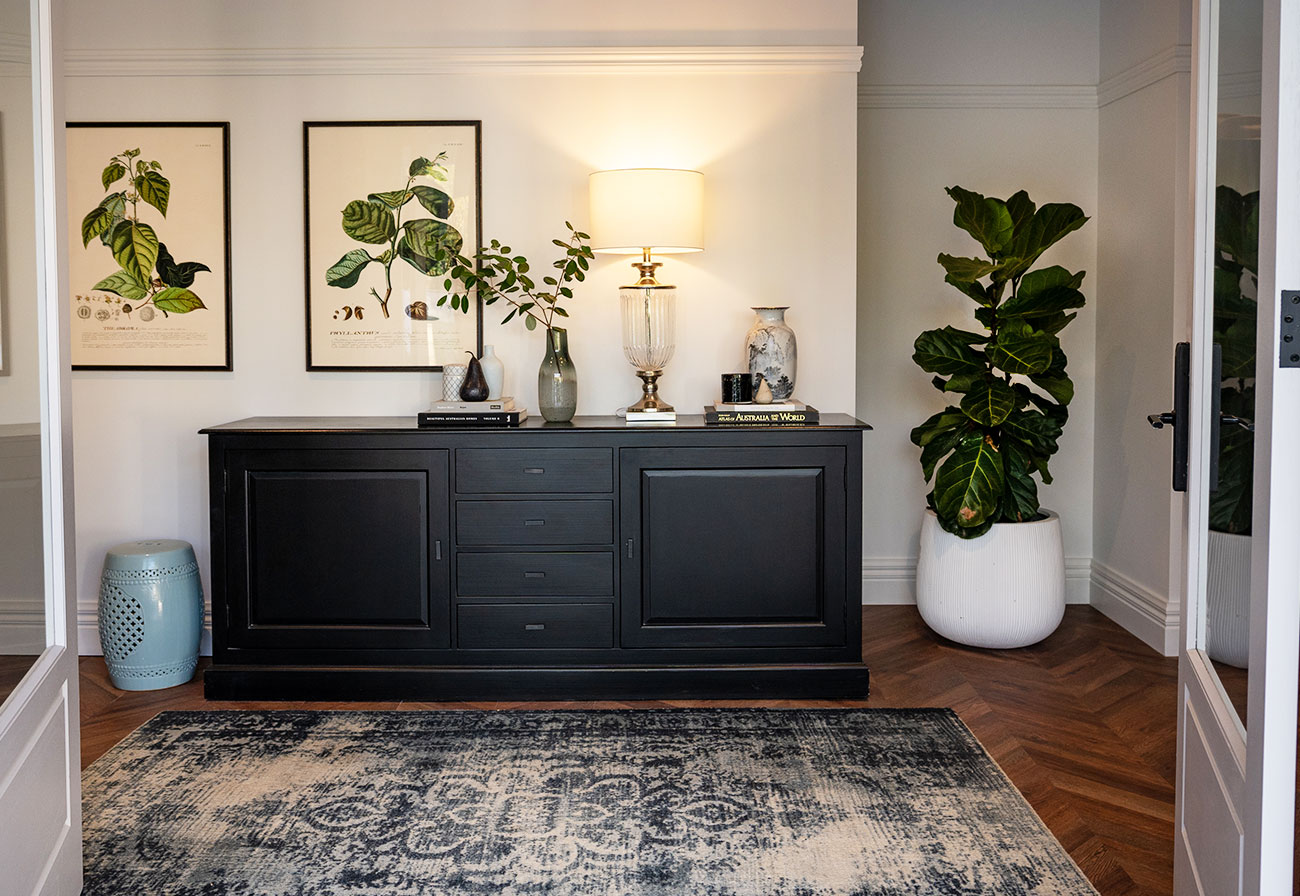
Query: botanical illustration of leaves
[[424, 264], [173, 274], [393, 198], [347, 270], [433, 239], [969, 485], [368, 222], [176, 300], [948, 351], [420, 166], [154, 189], [95, 223], [113, 172], [438, 203], [135, 246], [989, 401], [122, 284]]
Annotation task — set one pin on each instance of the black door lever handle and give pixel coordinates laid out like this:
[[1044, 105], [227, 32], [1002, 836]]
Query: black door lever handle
[[1158, 421], [1178, 417]]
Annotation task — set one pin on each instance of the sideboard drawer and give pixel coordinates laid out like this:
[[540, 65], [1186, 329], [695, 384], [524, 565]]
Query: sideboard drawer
[[514, 626], [534, 522], [534, 470], [541, 574]]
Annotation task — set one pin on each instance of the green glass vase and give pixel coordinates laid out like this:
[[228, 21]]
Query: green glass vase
[[557, 379]]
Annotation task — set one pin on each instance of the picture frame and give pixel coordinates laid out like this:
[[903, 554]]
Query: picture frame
[[380, 198], [149, 245]]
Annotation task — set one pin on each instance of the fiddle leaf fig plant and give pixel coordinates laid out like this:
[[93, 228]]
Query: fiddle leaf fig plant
[[1236, 282], [1008, 378]]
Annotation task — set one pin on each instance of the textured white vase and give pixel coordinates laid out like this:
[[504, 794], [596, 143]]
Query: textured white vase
[[493, 371], [1227, 599], [1003, 589]]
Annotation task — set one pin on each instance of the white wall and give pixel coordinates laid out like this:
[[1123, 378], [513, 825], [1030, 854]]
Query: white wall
[[995, 96], [19, 365], [771, 129], [1143, 289]]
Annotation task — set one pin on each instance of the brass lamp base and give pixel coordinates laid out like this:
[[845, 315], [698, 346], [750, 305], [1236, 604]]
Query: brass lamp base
[[650, 403]]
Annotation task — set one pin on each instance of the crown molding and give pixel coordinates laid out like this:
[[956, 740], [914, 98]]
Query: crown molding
[[976, 96], [1175, 60], [460, 60]]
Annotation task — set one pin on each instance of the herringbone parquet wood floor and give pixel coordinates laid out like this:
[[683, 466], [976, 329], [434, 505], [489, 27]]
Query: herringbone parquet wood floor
[[1083, 724]]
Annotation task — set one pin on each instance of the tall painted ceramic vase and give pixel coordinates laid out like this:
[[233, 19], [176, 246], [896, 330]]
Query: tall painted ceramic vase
[[771, 350]]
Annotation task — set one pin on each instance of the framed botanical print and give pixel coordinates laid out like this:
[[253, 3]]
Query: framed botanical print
[[149, 257], [387, 204]]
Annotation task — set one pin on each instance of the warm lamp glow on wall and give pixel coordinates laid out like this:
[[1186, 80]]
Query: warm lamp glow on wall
[[640, 211]]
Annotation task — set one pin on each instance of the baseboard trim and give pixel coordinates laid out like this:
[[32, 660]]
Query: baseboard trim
[[1148, 615], [892, 580]]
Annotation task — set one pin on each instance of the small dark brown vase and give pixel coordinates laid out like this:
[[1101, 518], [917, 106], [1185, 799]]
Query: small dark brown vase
[[475, 387]]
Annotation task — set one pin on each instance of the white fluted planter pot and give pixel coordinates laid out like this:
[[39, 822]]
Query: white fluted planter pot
[[1227, 599], [1003, 589]]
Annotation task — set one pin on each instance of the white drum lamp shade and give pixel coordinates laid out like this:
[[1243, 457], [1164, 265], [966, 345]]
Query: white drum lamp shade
[[634, 209]]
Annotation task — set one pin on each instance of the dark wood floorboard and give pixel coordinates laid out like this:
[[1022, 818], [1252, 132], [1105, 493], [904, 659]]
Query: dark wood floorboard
[[12, 669], [1083, 724]]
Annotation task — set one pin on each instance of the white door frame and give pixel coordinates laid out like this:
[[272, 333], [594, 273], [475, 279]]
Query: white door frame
[[40, 754], [1235, 790]]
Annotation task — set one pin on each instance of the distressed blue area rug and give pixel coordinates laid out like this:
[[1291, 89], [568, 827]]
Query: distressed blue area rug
[[670, 802]]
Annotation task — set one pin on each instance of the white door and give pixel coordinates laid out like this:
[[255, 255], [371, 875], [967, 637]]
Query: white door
[[1241, 601], [40, 767]]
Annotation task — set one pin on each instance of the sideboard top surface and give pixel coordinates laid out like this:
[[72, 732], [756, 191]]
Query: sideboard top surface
[[588, 424]]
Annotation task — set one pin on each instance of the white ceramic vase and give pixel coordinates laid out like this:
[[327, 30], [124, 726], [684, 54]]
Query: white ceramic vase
[[771, 350], [1227, 598], [1003, 589], [493, 371]]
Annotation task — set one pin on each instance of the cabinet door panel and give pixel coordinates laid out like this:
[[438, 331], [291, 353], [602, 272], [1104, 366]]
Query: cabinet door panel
[[338, 549], [736, 547]]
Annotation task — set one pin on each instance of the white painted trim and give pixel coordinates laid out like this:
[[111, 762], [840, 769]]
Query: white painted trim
[[1175, 60], [888, 581], [977, 96], [156, 62], [1148, 615]]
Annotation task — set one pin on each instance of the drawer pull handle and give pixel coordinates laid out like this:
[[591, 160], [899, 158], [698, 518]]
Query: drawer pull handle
[[535, 470], [437, 549], [534, 627], [534, 575], [534, 522]]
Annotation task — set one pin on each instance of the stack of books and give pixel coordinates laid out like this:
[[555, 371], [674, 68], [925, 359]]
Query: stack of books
[[779, 413], [497, 412]]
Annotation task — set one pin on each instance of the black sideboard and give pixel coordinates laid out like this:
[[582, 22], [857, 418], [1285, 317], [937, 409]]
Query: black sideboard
[[368, 558]]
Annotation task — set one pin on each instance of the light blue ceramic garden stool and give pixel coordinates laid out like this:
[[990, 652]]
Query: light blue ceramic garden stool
[[150, 614]]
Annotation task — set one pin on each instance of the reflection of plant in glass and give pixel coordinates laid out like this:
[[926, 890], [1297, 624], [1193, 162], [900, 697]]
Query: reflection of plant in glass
[[423, 243], [1002, 431], [134, 243], [1236, 266]]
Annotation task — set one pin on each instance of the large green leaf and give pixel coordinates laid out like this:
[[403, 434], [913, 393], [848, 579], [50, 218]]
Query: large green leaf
[[1045, 292], [973, 288], [962, 382], [1035, 236], [176, 300], [965, 269], [135, 246], [345, 272], [938, 448], [969, 485], [368, 222], [1021, 349], [948, 351], [173, 273], [987, 220], [434, 200], [1059, 386], [122, 284], [948, 419], [1236, 226], [1020, 501], [1034, 430], [391, 199], [113, 172], [989, 401], [154, 189], [1021, 208], [95, 223]]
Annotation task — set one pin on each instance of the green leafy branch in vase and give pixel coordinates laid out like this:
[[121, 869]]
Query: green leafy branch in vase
[[148, 273], [497, 274], [423, 243]]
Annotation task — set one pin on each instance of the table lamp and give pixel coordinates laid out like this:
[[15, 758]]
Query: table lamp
[[640, 211]]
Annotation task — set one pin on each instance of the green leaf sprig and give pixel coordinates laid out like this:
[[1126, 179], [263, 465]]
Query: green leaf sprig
[[500, 275], [148, 273], [983, 451]]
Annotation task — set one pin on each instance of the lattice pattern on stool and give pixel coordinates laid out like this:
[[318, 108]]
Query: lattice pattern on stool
[[130, 576], [121, 622], [185, 667]]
